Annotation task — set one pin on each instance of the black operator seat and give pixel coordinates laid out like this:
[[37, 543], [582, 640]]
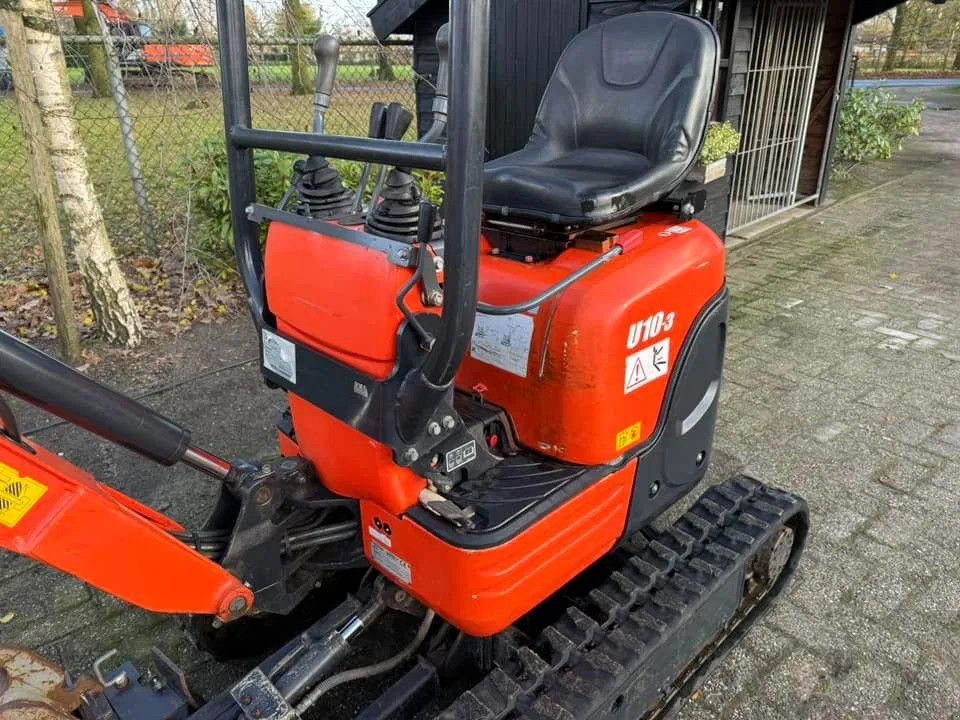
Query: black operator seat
[[620, 123]]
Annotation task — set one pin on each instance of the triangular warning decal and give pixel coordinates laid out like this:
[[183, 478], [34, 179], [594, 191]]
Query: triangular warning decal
[[647, 365], [635, 373]]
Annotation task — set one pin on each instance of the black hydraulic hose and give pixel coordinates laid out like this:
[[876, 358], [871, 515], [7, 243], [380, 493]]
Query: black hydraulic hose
[[536, 300], [466, 137], [438, 125]]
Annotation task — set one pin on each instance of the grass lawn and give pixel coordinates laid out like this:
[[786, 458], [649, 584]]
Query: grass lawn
[[168, 124], [275, 74]]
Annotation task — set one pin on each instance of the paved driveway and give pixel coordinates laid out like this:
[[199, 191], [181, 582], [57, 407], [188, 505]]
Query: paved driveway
[[842, 383]]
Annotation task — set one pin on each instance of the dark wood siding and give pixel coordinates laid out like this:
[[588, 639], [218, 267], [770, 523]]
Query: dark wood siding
[[737, 37], [829, 67], [527, 37]]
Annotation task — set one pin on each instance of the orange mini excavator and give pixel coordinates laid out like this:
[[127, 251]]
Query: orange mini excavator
[[490, 402]]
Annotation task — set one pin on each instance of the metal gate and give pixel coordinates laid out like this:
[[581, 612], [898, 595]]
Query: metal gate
[[783, 68]]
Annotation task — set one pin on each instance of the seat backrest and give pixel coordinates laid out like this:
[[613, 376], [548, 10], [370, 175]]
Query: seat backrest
[[641, 82]]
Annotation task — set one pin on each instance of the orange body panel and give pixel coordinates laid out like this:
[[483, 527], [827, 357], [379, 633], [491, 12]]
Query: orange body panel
[[578, 401], [105, 538], [350, 463], [571, 398], [337, 297], [177, 54], [484, 591]]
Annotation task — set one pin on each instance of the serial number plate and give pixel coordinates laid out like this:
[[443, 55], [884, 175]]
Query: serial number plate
[[398, 567]]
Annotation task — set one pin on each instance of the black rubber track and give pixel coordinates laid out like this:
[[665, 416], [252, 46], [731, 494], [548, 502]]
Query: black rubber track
[[638, 643]]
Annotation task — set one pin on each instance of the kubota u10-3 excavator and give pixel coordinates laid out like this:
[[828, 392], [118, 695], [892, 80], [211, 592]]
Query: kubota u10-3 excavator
[[489, 405]]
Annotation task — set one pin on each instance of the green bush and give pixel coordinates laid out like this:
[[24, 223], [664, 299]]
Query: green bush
[[205, 174], [873, 124], [722, 139]]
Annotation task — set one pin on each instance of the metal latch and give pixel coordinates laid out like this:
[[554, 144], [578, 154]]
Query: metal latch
[[446, 509]]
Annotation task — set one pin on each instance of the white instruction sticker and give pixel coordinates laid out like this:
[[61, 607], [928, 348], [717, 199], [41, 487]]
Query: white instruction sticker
[[647, 365], [280, 356], [400, 569], [460, 456], [503, 341]]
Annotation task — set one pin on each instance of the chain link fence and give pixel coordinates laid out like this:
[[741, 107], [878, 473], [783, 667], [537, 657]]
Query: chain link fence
[[170, 88]]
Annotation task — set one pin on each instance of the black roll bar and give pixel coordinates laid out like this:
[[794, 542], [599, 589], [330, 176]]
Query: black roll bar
[[235, 85], [466, 136], [462, 158], [345, 147]]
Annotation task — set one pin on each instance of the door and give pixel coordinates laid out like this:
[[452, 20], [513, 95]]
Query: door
[[780, 81]]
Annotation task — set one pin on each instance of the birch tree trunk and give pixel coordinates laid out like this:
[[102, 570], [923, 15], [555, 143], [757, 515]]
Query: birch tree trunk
[[114, 313], [41, 182]]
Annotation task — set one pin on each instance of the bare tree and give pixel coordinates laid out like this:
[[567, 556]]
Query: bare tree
[[114, 312], [300, 22], [95, 56], [898, 38]]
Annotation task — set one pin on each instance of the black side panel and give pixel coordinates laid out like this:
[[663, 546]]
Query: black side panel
[[678, 459]]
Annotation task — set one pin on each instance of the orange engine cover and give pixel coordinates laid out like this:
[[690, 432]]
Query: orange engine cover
[[584, 376]]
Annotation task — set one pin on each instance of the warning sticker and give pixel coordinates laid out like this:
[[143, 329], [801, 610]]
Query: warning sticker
[[17, 495], [647, 365], [280, 356], [397, 567], [503, 341], [629, 436]]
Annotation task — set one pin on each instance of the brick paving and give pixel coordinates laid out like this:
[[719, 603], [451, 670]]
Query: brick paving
[[842, 384]]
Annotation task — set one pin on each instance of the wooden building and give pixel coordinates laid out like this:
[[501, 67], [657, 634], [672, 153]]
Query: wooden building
[[780, 84]]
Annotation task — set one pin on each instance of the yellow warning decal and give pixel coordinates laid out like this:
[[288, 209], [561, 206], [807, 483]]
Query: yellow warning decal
[[629, 436], [17, 495]]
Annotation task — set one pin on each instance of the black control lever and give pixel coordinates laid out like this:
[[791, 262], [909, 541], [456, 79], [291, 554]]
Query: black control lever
[[396, 123], [327, 51], [439, 125], [378, 118]]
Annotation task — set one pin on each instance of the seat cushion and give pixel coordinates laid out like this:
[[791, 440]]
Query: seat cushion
[[564, 187], [620, 123]]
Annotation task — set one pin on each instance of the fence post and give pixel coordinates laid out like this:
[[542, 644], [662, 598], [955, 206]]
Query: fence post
[[41, 183], [126, 131]]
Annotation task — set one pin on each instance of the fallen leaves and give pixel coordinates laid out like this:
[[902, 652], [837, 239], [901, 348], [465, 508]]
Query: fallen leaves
[[170, 294]]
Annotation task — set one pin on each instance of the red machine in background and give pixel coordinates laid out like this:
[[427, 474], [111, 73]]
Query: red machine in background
[[489, 405], [137, 43]]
